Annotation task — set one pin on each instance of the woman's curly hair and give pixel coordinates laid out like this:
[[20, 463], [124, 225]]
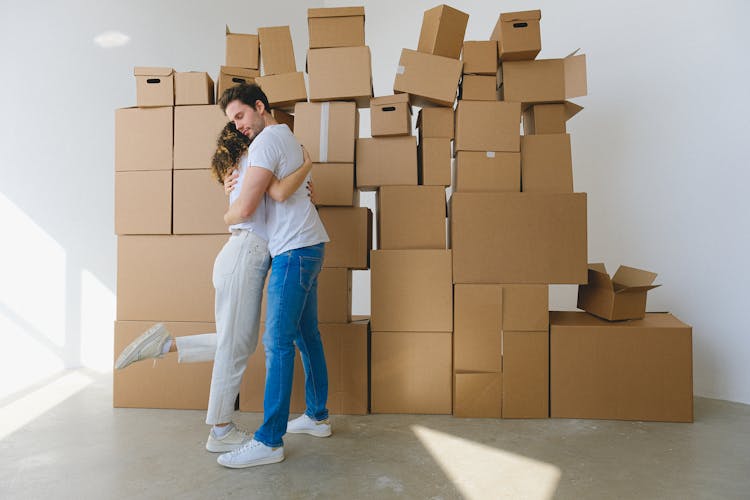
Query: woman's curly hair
[[230, 146]]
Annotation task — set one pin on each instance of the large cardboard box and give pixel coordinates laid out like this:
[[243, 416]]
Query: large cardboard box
[[428, 79], [350, 232], [193, 87], [436, 122], [621, 297], [478, 171], [143, 202], [411, 217], [154, 86], [390, 115], [543, 80], [231, 76], [488, 126], [386, 161], [335, 295], [411, 291], [333, 143], [477, 394], [283, 117], [532, 238], [166, 278], [276, 50], [242, 50], [518, 35], [478, 88], [631, 370], [196, 129], [336, 27], [283, 90], [546, 163], [199, 203], [143, 139], [164, 383], [480, 58], [333, 185], [548, 118], [525, 374], [434, 165], [340, 74], [442, 32], [411, 372]]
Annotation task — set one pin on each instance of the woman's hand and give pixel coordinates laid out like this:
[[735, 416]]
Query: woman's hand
[[307, 165], [311, 191], [230, 181]]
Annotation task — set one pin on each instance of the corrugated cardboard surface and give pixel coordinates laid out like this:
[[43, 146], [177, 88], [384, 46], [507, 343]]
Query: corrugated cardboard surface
[[477, 395], [195, 131], [340, 74], [199, 203], [478, 171], [488, 126], [336, 143], [480, 57], [230, 76], [333, 184], [143, 202], [411, 217], [435, 122], [335, 295], [518, 35], [283, 117], [390, 115], [386, 161], [546, 163], [525, 374], [350, 232], [283, 90], [548, 118], [544, 80], [154, 86], [525, 307], [276, 50], [478, 88], [336, 27], [620, 297], [193, 88], [477, 328], [242, 50], [630, 370], [428, 79], [143, 139], [442, 32], [435, 156]]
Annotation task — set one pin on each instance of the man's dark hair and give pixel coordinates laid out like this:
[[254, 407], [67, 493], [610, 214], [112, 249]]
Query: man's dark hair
[[247, 93]]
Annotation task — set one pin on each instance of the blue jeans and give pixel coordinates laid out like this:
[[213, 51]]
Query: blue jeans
[[292, 318]]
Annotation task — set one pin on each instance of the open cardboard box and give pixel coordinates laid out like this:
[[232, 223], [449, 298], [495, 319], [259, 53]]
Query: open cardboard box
[[621, 297]]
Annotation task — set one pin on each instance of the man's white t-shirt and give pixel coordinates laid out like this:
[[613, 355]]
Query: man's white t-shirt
[[293, 223], [257, 221]]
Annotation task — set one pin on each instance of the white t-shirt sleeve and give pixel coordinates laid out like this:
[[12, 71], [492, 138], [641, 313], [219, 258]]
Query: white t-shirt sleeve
[[266, 154]]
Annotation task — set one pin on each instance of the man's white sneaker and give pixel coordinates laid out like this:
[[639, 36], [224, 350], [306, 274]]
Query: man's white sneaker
[[148, 345], [305, 425], [251, 454], [233, 439]]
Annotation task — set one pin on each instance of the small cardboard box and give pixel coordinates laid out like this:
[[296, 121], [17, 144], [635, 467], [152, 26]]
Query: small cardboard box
[[442, 32], [428, 79], [478, 88], [477, 394], [621, 297], [480, 58], [543, 80], [336, 27], [411, 372], [350, 232], [154, 86], [193, 87], [283, 90], [411, 217], [488, 126], [143, 139], [143, 202], [434, 161], [335, 295], [231, 76], [390, 115], [488, 171], [195, 131], [649, 361], [533, 238], [525, 374], [199, 203], [411, 291], [276, 50], [243, 50], [546, 163], [436, 122], [548, 118], [333, 143], [518, 35], [333, 185], [340, 74], [386, 161]]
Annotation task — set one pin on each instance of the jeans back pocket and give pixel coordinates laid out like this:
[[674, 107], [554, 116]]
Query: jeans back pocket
[[309, 268]]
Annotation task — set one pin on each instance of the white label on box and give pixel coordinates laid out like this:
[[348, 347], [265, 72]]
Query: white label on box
[[490, 154], [400, 70]]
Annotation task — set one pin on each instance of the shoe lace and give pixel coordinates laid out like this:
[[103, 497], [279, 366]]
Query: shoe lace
[[247, 446]]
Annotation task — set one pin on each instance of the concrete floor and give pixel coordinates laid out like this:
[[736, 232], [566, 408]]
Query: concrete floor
[[82, 448]]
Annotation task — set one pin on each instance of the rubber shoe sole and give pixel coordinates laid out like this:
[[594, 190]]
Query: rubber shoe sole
[[153, 339]]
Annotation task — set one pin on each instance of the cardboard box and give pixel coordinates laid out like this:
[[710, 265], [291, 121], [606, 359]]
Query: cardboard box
[[386, 161], [283, 117], [548, 118], [525, 374], [518, 35], [411, 372], [477, 395], [434, 161], [435, 122], [480, 58], [340, 74], [648, 361], [276, 50], [196, 129], [193, 87], [525, 308], [411, 217], [143, 202], [488, 171], [154, 86], [166, 278], [143, 139], [546, 163], [331, 144], [533, 237], [442, 32], [488, 126], [243, 50], [335, 295], [478, 88], [411, 291], [333, 185], [199, 203], [336, 27], [283, 90], [390, 115], [164, 383], [428, 79], [621, 297], [543, 80], [350, 232], [477, 328], [231, 76]]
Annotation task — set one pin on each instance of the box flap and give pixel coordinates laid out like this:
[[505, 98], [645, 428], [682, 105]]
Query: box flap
[[389, 99], [228, 31], [571, 109], [598, 267], [525, 15], [152, 71], [598, 276], [575, 75], [634, 289], [631, 277], [238, 71], [336, 12]]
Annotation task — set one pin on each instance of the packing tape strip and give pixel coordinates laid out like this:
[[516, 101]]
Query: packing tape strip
[[324, 120]]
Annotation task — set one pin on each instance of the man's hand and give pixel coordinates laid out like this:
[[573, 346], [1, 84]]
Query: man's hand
[[230, 181]]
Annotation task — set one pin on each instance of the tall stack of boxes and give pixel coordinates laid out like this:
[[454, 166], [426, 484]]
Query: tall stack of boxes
[[242, 62], [281, 82]]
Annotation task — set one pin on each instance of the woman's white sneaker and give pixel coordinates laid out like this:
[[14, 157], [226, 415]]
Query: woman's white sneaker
[[305, 425], [148, 345], [233, 439], [251, 454]]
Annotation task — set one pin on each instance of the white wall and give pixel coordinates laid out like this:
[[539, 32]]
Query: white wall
[[659, 149]]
